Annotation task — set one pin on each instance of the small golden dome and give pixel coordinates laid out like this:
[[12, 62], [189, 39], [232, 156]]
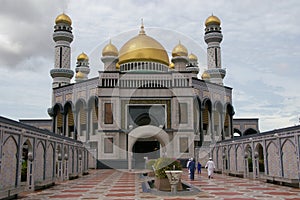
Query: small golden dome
[[63, 18], [82, 57], [110, 50], [79, 75], [179, 50], [171, 66], [212, 20], [117, 66], [193, 57], [205, 75], [143, 48]]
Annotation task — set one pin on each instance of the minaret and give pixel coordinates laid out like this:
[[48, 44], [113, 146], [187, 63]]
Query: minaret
[[180, 57], [110, 57], [193, 65], [62, 36], [82, 67], [213, 37]]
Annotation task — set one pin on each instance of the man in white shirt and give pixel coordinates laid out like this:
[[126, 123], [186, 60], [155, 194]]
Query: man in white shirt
[[210, 165]]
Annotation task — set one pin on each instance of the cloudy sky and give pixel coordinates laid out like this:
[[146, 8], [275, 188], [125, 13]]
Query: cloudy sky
[[260, 49]]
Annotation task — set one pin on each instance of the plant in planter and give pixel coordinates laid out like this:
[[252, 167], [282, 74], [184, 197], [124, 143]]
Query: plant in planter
[[149, 166], [161, 180]]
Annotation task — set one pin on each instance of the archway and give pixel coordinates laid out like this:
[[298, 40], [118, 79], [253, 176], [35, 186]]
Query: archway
[[259, 159], [143, 150], [150, 137]]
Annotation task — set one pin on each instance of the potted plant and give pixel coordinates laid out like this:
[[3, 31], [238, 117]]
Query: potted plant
[[161, 165]]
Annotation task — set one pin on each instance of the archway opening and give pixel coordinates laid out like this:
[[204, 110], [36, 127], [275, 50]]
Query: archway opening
[[144, 150], [24, 167], [261, 164]]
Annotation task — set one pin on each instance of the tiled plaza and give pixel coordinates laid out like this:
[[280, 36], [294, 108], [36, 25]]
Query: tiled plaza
[[114, 184]]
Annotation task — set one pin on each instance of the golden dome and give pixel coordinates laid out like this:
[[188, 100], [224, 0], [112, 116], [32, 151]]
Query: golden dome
[[193, 57], [110, 50], [82, 57], [205, 75], [179, 50], [212, 20], [63, 18], [79, 75], [143, 48], [117, 66], [171, 66]]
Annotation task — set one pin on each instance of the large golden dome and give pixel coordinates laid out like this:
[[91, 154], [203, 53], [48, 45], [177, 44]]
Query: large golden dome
[[179, 50], [63, 18], [212, 20], [110, 50], [143, 48]]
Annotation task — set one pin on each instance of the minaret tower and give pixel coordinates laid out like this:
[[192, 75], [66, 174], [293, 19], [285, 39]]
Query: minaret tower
[[110, 57], [180, 57], [62, 36], [213, 37], [82, 68]]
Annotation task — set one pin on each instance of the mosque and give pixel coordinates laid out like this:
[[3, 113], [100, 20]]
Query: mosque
[[144, 104]]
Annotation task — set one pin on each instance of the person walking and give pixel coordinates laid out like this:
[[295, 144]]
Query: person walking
[[210, 165], [199, 167], [192, 167]]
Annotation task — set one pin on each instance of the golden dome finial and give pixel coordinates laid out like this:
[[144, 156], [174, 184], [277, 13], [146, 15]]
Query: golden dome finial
[[193, 57], [110, 50], [63, 18], [82, 57], [142, 31], [212, 20], [179, 50]]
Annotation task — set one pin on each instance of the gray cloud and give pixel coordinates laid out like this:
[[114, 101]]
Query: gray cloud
[[260, 48]]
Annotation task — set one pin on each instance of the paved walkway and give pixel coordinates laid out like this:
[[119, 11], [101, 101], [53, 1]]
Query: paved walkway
[[114, 184]]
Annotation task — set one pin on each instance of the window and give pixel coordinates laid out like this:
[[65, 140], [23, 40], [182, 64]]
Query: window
[[183, 114], [183, 145], [108, 117], [108, 145]]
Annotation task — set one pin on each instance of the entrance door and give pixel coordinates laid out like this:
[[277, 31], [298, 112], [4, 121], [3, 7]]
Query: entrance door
[[142, 149]]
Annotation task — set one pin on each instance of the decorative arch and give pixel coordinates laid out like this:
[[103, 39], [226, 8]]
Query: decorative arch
[[9, 159], [259, 156], [81, 119], [58, 118], [198, 119], [218, 120], [228, 117], [236, 132], [50, 160], [147, 131], [206, 117], [273, 159], [39, 161], [289, 165], [250, 131], [69, 119]]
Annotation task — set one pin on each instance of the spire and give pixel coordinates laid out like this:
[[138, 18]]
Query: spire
[[142, 31]]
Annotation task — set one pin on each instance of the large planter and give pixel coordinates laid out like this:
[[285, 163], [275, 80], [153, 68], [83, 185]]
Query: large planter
[[163, 184]]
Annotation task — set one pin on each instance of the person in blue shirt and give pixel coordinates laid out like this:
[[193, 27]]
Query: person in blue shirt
[[199, 167]]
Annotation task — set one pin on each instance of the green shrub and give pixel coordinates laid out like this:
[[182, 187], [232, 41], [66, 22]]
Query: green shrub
[[150, 163], [163, 164]]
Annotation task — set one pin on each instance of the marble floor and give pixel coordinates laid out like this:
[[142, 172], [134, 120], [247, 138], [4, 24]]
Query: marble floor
[[116, 184]]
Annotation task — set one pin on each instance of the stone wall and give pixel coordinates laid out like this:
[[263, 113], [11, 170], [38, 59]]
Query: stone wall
[[272, 156], [32, 158]]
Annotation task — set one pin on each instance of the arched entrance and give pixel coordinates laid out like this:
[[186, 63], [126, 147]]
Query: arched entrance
[[143, 150], [141, 143]]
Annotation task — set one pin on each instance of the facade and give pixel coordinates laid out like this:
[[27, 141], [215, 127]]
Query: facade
[[144, 104]]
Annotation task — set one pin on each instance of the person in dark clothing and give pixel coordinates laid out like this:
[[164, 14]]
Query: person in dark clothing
[[199, 167], [192, 167]]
